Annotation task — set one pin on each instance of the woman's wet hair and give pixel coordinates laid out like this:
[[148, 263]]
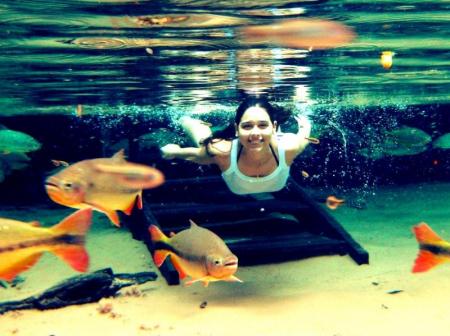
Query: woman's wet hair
[[261, 102], [228, 132]]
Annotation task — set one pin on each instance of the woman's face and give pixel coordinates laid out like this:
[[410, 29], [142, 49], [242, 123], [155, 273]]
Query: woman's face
[[255, 129]]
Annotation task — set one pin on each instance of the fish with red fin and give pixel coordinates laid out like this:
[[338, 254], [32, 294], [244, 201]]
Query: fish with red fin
[[195, 252], [433, 250], [104, 184], [304, 33], [22, 243]]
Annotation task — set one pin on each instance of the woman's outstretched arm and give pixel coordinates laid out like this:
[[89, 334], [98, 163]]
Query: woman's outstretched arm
[[303, 133], [295, 143], [194, 154]]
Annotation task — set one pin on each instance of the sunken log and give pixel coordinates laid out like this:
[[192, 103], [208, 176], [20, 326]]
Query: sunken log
[[80, 289]]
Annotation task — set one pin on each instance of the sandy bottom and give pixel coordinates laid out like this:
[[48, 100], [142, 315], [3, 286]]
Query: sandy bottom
[[330, 296]]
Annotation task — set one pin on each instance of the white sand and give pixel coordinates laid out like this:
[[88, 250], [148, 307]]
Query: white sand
[[330, 296]]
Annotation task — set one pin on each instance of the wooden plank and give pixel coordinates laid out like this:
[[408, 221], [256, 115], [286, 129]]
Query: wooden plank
[[332, 226], [271, 222], [259, 206], [282, 243], [264, 249]]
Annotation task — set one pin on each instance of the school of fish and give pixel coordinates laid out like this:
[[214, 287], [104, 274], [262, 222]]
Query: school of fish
[[106, 185], [113, 184]]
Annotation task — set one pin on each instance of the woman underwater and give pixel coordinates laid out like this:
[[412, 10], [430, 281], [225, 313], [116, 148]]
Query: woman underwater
[[257, 160]]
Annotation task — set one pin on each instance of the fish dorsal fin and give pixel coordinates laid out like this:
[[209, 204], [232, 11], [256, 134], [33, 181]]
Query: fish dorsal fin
[[193, 224], [119, 156]]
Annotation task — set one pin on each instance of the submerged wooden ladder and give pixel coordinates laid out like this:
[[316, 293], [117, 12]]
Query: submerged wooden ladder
[[276, 227]]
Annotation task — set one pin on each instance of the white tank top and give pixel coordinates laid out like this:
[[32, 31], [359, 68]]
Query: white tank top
[[242, 184]]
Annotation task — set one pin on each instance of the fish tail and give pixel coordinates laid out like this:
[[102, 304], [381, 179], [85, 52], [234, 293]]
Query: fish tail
[[159, 255], [157, 235], [77, 223], [427, 259], [19, 267], [73, 252]]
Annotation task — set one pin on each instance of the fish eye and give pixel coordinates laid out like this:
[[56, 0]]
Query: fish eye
[[217, 262], [67, 185]]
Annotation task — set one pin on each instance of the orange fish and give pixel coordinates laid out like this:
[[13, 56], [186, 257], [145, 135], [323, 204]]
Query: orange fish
[[300, 33], [433, 250], [333, 202], [312, 140], [105, 184], [195, 252], [22, 244], [58, 163]]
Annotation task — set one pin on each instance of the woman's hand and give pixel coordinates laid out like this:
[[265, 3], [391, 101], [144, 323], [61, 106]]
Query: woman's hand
[[170, 151]]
